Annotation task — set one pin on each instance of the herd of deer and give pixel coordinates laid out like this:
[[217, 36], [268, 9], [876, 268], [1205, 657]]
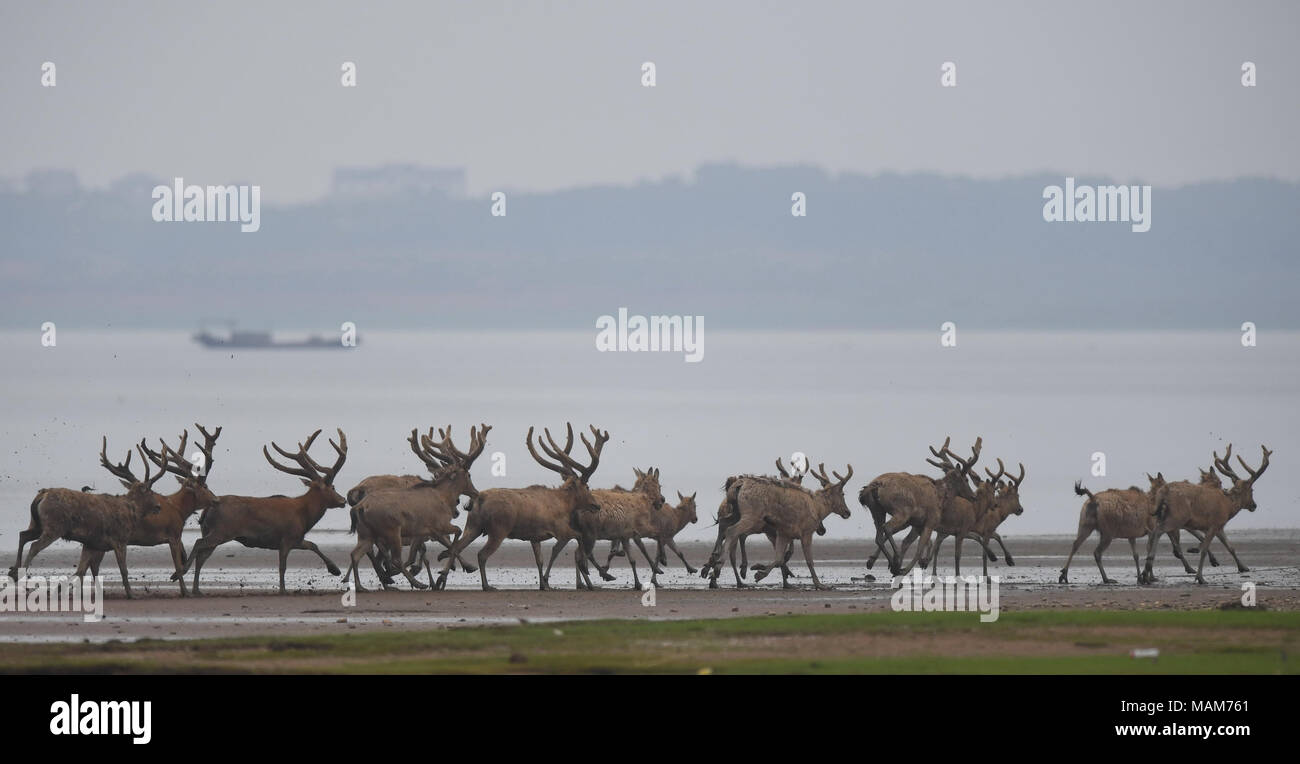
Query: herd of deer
[[393, 512]]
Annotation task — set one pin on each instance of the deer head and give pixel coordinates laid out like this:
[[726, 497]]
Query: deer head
[[1243, 491], [686, 507], [647, 482], [448, 464], [955, 469], [575, 474], [832, 491], [1007, 501], [139, 493], [192, 477], [318, 479]]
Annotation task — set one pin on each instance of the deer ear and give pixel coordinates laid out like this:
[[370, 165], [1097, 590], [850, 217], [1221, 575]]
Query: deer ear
[[680, 497], [306, 483], [123, 482]]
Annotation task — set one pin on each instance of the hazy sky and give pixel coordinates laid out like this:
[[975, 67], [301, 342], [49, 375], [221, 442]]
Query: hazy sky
[[545, 95]]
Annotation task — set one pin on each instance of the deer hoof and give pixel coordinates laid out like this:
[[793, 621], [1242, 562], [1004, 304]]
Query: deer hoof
[[1010, 561], [690, 571], [1062, 579], [333, 569], [606, 576], [1243, 569]]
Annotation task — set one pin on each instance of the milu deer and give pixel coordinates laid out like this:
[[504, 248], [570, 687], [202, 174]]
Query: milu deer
[[918, 501], [668, 522], [100, 522], [1004, 501], [789, 512], [391, 518], [726, 517], [625, 517], [1204, 508], [166, 526], [536, 513], [1125, 513], [961, 517], [274, 522]]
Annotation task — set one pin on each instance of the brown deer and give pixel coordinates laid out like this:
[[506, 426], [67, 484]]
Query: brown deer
[[1126, 513], [961, 517], [166, 526], [273, 522], [916, 501], [536, 513], [789, 512], [98, 521], [624, 517], [1204, 508], [1004, 501], [668, 522], [726, 517], [390, 518]]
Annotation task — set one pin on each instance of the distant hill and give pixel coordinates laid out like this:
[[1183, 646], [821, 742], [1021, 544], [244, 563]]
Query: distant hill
[[885, 251]]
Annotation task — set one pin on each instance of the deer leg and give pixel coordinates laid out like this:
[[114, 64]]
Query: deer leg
[[87, 558], [744, 557], [362, 548], [1096, 555], [178, 561], [472, 531], [654, 567], [24, 537], [985, 554], [1178, 551], [1133, 546], [733, 538], [922, 545], [1084, 533], [493, 542], [1200, 539], [631, 561], [394, 551], [385, 577], [448, 542], [1147, 575], [880, 547], [284, 563], [199, 554], [581, 577], [329, 564], [998, 537], [1205, 548], [1224, 538], [661, 556], [938, 542], [119, 551], [537, 555], [957, 562], [36, 548], [806, 544], [671, 544], [912, 534], [778, 548]]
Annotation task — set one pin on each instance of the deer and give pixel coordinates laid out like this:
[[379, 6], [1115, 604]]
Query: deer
[[166, 526], [961, 517], [390, 518], [625, 516], [1126, 513], [274, 522], [789, 512], [98, 521], [536, 513], [1204, 508], [918, 501], [667, 523], [1003, 501], [726, 518]]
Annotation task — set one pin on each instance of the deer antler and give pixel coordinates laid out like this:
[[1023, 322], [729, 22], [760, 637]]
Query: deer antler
[[122, 471], [1263, 465], [1223, 464]]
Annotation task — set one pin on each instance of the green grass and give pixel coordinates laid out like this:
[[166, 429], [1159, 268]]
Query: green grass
[[1036, 642]]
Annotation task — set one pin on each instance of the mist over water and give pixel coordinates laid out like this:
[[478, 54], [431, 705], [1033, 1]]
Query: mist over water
[[1157, 401]]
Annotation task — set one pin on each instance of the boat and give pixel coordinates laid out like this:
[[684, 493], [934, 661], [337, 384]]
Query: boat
[[236, 339]]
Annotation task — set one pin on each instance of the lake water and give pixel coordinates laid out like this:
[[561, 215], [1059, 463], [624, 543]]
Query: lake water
[[1149, 401]]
